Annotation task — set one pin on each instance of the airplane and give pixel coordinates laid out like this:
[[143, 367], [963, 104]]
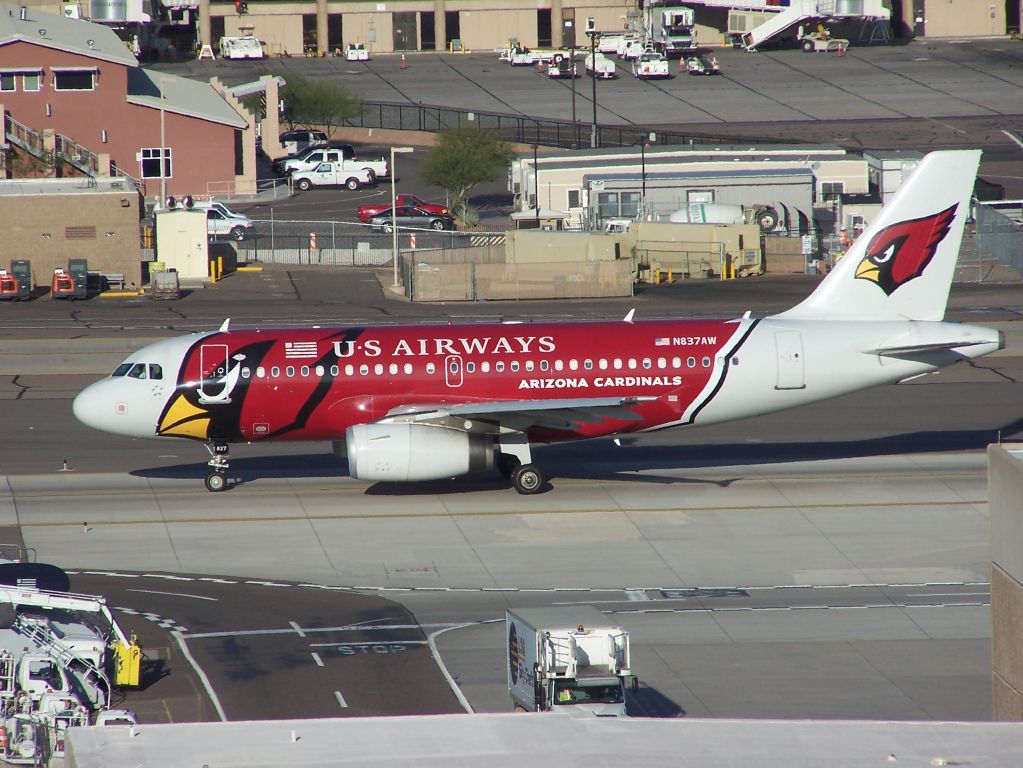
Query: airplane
[[429, 402]]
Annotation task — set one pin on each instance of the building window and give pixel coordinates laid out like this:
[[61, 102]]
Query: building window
[[607, 204], [8, 81], [630, 204], [31, 81], [831, 190], [574, 199], [74, 79], [151, 163], [309, 32], [699, 195]]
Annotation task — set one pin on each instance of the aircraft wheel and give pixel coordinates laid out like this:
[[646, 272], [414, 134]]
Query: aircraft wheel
[[215, 481], [507, 463], [527, 479]]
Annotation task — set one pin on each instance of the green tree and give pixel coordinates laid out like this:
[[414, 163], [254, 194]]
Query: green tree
[[464, 157], [319, 103]]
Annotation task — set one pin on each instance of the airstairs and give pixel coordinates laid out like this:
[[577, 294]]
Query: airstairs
[[64, 149]]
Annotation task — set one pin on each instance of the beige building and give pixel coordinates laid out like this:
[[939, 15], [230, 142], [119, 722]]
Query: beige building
[[51, 221], [1005, 489]]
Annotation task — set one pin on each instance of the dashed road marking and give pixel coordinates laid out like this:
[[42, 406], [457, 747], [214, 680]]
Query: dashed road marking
[[317, 659], [340, 700], [298, 629]]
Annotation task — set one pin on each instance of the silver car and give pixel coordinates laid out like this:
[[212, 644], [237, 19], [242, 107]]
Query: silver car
[[411, 217]]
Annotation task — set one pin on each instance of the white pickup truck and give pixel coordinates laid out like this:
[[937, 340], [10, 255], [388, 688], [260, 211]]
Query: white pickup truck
[[338, 173], [311, 160]]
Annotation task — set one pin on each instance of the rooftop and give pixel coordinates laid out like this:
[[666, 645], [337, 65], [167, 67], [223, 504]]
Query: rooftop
[[54, 30]]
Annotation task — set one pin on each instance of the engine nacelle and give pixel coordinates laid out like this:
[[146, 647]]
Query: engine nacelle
[[411, 452]]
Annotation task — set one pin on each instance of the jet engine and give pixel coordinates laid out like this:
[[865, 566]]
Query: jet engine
[[411, 452]]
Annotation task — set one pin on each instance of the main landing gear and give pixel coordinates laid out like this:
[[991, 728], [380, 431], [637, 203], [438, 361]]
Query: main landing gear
[[526, 477], [215, 480]]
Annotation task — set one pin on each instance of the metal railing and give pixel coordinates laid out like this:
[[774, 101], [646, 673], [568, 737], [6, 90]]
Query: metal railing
[[521, 129]]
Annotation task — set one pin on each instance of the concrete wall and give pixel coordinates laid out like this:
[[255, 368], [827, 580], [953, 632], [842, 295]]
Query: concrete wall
[[1005, 502], [959, 18], [52, 227]]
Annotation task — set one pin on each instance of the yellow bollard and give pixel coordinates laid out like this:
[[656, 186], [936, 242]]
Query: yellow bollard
[[669, 274], [657, 276]]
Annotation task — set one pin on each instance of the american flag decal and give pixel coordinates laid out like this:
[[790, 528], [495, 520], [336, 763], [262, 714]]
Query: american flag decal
[[662, 341], [299, 349]]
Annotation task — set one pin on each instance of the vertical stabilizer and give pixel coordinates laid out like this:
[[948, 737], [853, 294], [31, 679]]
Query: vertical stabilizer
[[901, 267]]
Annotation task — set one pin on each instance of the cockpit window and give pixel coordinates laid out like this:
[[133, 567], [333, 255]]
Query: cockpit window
[[155, 371], [138, 371], [122, 369]]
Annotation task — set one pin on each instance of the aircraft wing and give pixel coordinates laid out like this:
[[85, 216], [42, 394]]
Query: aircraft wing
[[523, 414]]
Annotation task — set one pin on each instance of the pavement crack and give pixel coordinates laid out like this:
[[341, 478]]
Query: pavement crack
[[22, 388]]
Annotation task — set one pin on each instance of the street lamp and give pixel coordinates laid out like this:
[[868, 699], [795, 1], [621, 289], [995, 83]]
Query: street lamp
[[652, 137], [536, 185], [591, 32], [394, 205]]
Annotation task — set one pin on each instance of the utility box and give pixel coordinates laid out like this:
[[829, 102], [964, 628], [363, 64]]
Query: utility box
[[182, 242], [22, 271], [79, 271]]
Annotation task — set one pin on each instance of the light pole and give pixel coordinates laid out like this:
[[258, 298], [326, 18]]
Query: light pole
[[591, 31], [652, 137], [536, 185], [394, 205], [163, 150], [573, 95]]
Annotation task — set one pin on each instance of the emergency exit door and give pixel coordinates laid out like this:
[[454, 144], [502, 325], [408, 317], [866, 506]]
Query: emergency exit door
[[568, 28], [789, 346]]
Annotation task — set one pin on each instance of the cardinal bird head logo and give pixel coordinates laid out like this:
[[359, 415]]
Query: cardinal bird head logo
[[902, 251]]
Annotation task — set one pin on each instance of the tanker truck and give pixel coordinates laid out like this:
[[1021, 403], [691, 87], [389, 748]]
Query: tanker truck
[[567, 660]]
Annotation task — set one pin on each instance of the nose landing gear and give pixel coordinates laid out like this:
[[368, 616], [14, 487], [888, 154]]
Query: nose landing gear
[[216, 480]]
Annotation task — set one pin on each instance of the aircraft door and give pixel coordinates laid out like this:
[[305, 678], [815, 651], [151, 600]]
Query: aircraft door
[[789, 346], [214, 362], [453, 371]]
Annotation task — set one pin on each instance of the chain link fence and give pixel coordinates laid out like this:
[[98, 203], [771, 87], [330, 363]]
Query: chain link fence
[[993, 248], [524, 130], [342, 243]]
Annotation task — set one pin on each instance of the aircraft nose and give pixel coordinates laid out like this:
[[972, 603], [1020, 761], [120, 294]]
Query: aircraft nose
[[92, 408], [119, 406]]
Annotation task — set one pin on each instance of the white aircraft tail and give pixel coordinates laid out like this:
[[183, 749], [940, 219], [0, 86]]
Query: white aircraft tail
[[901, 267]]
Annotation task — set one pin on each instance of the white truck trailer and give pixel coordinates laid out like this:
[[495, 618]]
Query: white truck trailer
[[765, 216], [567, 660]]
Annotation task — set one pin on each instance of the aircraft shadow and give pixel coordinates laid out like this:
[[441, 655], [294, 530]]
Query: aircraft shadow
[[601, 460]]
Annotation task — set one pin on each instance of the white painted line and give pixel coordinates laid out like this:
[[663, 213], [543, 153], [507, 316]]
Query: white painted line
[[636, 595], [317, 659], [1014, 140], [269, 584], [370, 644], [173, 594], [167, 577], [948, 594], [202, 675], [298, 629], [340, 700], [316, 630], [109, 573], [216, 581], [444, 670]]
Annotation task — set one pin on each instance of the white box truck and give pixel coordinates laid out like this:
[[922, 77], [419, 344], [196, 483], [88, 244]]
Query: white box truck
[[568, 660]]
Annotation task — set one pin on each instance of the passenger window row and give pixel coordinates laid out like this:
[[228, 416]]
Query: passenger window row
[[514, 366]]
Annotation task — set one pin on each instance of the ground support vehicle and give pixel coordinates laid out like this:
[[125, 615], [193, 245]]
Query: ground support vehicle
[[356, 52], [246, 47], [562, 67], [566, 660], [521, 56], [629, 50], [822, 42], [600, 66], [367, 212], [669, 27], [699, 65], [331, 175], [612, 42], [58, 667], [651, 66]]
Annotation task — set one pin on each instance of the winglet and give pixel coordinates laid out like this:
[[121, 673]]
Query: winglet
[[224, 328], [628, 317]]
